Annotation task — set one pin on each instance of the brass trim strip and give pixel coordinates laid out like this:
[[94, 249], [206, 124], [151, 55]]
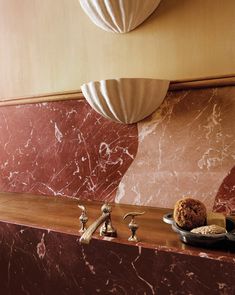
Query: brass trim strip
[[228, 80], [77, 94], [205, 78], [219, 81]]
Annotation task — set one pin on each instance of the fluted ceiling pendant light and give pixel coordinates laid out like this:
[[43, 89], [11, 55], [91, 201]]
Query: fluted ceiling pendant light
[[125, 100], [119, 16]]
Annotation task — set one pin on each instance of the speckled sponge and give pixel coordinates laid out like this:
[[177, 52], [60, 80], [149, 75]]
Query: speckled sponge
[[189, 213]]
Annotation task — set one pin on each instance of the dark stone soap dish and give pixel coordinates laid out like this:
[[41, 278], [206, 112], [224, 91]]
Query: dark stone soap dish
[[199, 239], [231, 233]]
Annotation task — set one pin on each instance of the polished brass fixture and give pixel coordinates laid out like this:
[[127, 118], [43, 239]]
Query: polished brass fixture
[[106, 228], [133, 226], [83, 218]]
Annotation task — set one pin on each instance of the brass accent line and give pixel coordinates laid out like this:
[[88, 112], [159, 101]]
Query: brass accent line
[[184, 84]]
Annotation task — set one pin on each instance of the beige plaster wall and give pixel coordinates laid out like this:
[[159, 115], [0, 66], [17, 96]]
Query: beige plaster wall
[[51, 45]]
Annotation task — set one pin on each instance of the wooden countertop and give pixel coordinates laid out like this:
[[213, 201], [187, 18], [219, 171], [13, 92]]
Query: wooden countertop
[[61, 214]]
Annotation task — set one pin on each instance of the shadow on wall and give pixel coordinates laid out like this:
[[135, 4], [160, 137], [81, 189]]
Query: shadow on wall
[[164, 12], [187, 11]]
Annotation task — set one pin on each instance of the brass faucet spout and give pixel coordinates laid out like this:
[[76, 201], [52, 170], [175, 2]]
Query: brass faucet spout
[[105, 230], [87, 235]]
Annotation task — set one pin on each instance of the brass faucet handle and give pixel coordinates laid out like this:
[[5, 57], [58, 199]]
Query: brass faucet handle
[[83, 218], [133, 214], [106, 208], [133, 226], [107, 228]]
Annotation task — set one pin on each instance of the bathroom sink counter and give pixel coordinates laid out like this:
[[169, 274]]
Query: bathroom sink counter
[[61, 214]]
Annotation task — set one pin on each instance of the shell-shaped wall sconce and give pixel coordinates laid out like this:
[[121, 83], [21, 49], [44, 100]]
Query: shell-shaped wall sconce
[[119, 16], [125, 100]]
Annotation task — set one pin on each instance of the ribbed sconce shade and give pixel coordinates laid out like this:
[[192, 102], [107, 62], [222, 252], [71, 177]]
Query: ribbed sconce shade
[[119, 16], [125, 100]]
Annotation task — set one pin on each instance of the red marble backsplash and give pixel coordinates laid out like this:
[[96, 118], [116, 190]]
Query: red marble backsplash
[[186, 148], [225, 198], [63, 148]]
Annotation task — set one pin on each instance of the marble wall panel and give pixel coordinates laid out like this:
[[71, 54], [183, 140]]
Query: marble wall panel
[[63, 148], [41, 262], [225, 198], [186, 148]]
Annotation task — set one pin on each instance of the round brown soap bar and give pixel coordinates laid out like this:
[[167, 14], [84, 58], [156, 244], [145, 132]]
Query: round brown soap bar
[[189, 213]]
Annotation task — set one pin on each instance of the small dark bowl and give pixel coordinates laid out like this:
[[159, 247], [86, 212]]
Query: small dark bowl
[[199, 239], [168, 218]]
